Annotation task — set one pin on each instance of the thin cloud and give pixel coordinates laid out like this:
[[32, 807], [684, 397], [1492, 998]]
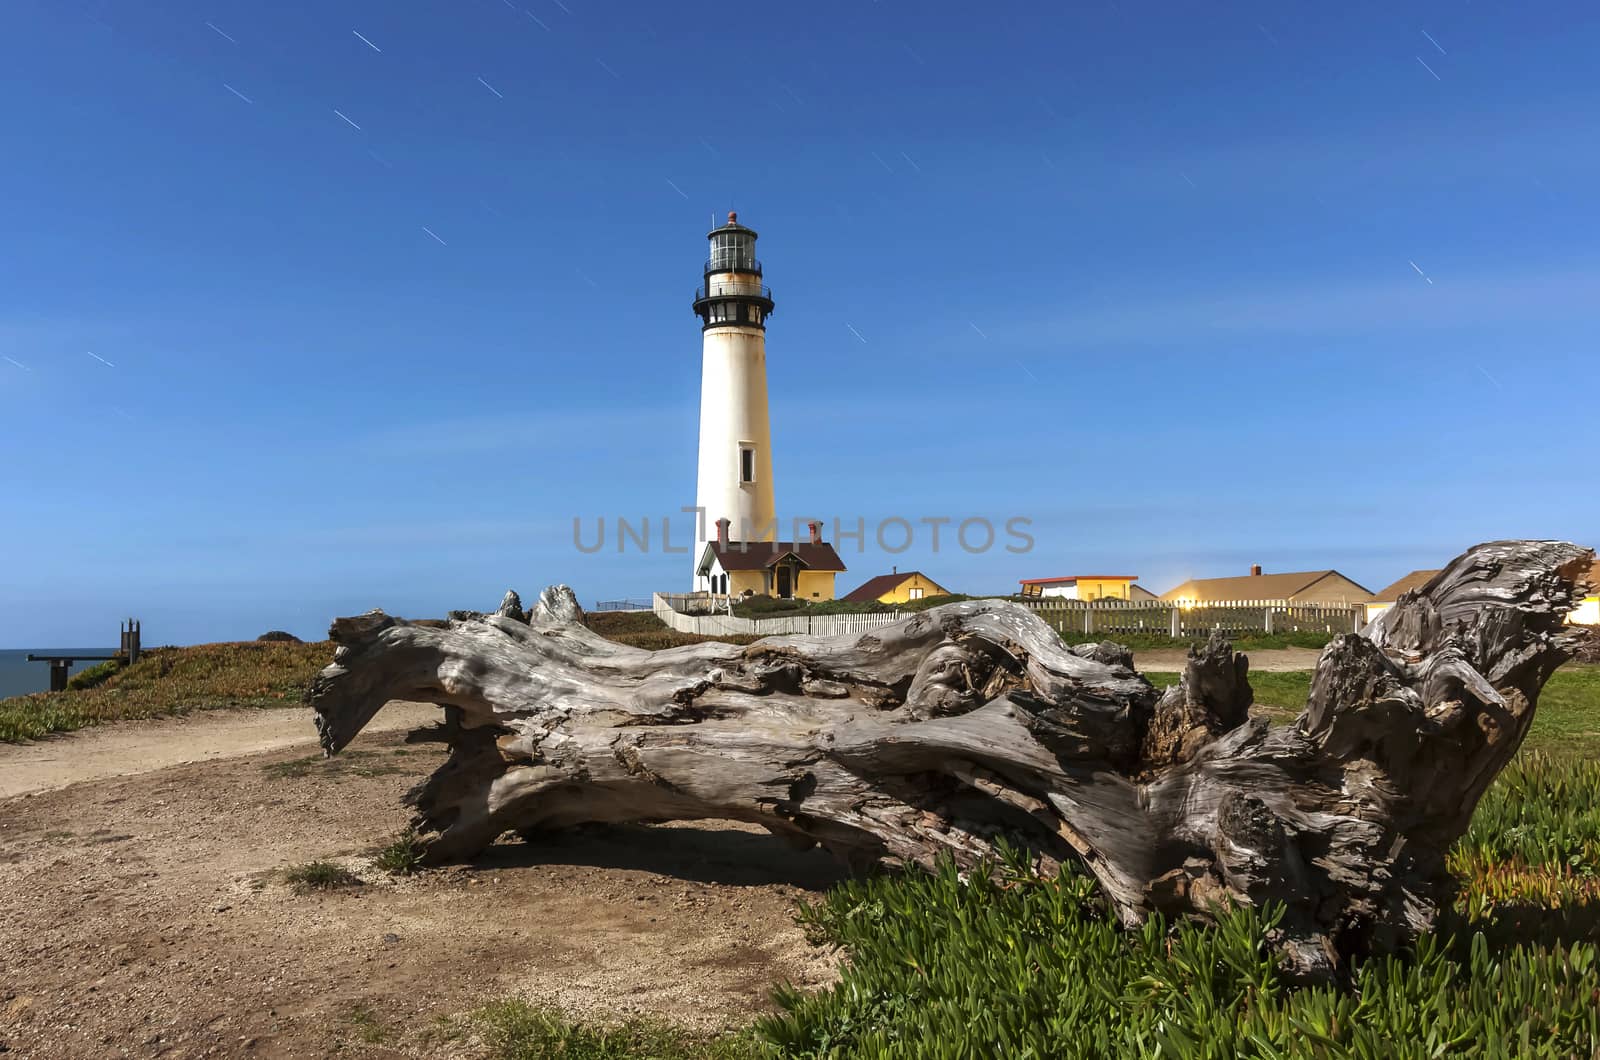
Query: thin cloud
[[1328, 308]]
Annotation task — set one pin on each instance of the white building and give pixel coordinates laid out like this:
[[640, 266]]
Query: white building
[[735, 468]]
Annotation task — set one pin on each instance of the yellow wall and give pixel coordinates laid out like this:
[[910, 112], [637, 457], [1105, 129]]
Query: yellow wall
[[1103, 588], [811, 584], [902, 592], [740, 580], [815, 585]]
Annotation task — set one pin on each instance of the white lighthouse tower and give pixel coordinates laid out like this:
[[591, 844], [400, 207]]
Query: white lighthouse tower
[[735, 479]]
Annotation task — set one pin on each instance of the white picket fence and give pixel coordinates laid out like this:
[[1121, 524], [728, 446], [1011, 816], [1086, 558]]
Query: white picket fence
[[1111, 617], [699, 613], [671, 608]]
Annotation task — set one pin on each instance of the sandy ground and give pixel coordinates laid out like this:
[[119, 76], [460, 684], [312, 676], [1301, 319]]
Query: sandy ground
[[141, 746], [142, 910]]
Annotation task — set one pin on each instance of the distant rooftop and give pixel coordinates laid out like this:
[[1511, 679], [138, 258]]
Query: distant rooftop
[[1067, 579]]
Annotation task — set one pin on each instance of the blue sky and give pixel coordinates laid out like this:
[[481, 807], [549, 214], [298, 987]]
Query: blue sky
[[1189, 286]]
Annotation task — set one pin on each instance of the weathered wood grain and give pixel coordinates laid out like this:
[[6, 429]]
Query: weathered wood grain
[[969, 723]]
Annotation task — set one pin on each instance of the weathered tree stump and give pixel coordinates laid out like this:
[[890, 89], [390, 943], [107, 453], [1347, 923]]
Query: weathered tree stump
[[952, 729]]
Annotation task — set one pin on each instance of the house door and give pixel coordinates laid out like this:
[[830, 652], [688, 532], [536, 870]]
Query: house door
[[785, 581]]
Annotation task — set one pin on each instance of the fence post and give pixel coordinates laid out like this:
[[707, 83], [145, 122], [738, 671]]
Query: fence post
[[1087, 620], [1177, 623], [1267, 621]]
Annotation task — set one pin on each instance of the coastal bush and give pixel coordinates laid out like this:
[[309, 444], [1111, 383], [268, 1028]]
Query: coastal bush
[[518, 1030], [172, 681], [1022, 967], [90, 676], [1018, 966], [642, 629]]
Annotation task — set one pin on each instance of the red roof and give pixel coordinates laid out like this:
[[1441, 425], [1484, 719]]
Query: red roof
[[1082, 578], [759, 555]]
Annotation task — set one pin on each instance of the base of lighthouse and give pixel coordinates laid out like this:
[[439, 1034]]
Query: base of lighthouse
[[735, 471]]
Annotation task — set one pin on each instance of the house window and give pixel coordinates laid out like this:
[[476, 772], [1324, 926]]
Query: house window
[[913, 594], [747, 464]]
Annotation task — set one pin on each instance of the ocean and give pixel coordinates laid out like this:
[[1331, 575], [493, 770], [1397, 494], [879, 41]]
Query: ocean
[[18, 676]]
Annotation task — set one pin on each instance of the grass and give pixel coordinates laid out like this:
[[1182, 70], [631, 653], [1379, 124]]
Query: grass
[[1567, 721], [169, 681], [941, 968], [319, 876], [172, 681], [641, 629], [91, 676], [1016, 966], [368, 1027], [518, 1030], [346, 763], [1164, 642], [403, 857]]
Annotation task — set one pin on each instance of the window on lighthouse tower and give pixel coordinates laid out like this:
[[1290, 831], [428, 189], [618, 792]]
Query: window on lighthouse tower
[[747, 464]]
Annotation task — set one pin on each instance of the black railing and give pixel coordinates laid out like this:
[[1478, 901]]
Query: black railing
[[732, 263], [623, 605], [732, 290]]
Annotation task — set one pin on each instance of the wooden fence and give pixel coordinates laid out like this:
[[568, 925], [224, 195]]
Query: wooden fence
[[707, 616], [697, 613], [1113, 617]]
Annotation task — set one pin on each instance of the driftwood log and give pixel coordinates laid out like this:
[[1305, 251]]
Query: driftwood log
[[944, 732]]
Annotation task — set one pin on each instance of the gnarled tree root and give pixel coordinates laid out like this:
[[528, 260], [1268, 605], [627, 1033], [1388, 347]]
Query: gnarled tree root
[[969, 723]]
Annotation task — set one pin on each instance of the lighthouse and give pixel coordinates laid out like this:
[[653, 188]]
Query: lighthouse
[[735, 470]]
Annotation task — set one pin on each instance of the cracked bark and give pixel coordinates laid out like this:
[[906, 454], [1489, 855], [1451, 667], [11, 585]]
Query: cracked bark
[[969, 723]]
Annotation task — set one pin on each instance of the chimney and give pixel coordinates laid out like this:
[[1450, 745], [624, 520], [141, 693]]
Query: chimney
[[816, 532], [894, 570], [1255, 570], [722, 531]]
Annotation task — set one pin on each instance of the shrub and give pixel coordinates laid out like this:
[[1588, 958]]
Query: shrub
[[641, 629], [172, 681], [91, 676], [320, 876], [518, 1030], [1012, 966], [403, 857], [1540, 813], [280, 636]]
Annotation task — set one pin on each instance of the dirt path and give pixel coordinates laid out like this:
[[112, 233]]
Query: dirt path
[[130, 747], [143, 910], [146, 915]]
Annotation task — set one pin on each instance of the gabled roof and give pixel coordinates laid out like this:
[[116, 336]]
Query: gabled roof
[[1254, 586], [1415, 580], [760, 555], [873, 588]]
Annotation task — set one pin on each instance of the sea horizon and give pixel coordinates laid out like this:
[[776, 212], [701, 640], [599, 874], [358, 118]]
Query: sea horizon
[[19, 677]]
